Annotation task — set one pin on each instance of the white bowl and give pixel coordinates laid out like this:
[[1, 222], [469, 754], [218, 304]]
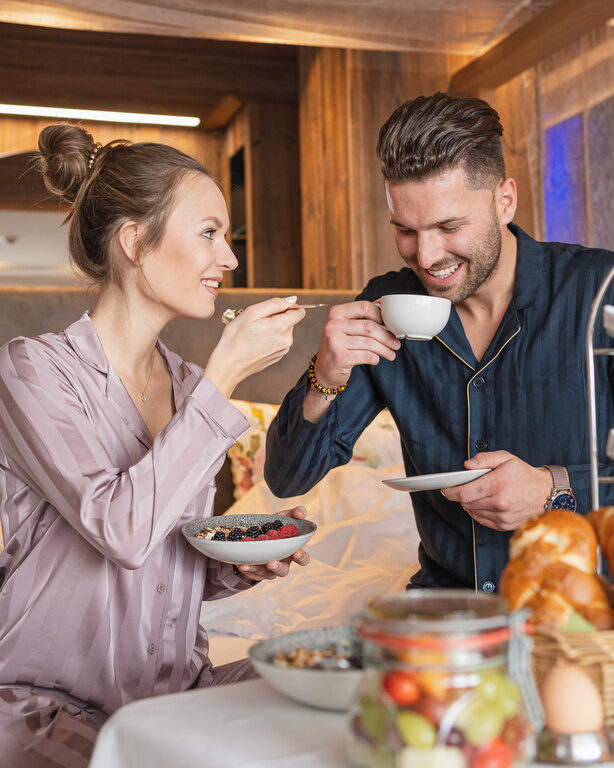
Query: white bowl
[[412, 316], [322, 688], [248, 552]]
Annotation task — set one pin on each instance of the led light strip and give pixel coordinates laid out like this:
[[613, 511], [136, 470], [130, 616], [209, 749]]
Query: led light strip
[[96, 114]]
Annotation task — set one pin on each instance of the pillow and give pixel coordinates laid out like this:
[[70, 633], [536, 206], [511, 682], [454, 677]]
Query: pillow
[[378, 446]]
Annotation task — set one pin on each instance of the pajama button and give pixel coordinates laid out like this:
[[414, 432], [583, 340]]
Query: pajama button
[[151, 649], [161, 588], [481, 444]]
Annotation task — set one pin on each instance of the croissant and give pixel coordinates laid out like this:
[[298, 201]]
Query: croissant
[[551, 570], [603, 522]]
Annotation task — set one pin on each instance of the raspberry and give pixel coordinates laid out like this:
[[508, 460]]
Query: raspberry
[[218, 536], [248, 538], [287, 531], [262, 537], [273, 534]]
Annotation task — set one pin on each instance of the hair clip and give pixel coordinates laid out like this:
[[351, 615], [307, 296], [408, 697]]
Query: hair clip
[[90, 162]]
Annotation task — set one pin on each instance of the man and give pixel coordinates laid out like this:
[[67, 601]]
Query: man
[[503, 386]]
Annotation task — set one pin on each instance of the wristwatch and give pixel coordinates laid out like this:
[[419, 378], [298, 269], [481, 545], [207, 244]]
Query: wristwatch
[[561, 495]]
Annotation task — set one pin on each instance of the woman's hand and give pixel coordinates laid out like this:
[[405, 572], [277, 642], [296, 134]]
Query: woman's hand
[[277, 567], [258, 337]]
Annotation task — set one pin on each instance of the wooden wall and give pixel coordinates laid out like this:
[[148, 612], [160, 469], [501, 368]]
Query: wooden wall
[[345, 96], [20, 135], [268, 134]]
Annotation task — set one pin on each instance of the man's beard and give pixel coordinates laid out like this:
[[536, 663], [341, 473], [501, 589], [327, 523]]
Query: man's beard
[[484, 261]]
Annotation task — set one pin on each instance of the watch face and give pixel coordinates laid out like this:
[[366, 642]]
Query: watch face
[[564, 501]]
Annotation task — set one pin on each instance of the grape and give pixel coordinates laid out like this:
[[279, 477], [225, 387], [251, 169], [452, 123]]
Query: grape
[[497, 688], [374, 719], [438, 757], [416, 730], [480, 721]]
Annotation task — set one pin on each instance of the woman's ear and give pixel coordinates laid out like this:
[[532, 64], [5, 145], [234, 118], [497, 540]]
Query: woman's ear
[[128, 236]]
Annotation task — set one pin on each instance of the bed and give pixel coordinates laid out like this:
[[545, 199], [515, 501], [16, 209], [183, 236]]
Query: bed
[[366, 543]]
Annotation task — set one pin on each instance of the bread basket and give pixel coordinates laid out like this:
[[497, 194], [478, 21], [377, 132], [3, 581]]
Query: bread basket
[[592, 651]]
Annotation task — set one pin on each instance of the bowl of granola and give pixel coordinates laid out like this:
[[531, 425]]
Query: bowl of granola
[[249, 539], [318, 667]]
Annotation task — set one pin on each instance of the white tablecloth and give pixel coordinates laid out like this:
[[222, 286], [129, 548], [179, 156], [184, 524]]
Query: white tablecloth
[[245, 725]]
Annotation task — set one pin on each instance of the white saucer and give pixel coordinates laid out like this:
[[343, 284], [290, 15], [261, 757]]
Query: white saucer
[[436, 481]]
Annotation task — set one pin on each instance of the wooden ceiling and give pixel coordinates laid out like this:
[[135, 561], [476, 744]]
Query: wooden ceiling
[[450, 26], [142, 73]]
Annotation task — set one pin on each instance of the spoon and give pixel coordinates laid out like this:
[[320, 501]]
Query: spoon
[[229, 314]]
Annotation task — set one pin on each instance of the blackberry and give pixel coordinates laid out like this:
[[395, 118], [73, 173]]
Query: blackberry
[[274, 526], [254, 531], [219, 536], [236, 534]]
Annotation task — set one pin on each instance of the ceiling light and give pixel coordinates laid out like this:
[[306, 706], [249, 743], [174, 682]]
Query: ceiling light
[[96, 114]]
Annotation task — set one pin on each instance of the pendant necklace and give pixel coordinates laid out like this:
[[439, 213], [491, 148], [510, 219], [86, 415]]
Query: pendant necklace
[[142, 391]]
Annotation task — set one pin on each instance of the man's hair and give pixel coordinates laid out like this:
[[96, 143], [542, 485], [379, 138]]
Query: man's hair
[[432, 134]]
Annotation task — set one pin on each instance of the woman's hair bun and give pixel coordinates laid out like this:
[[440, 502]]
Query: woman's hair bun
[[64, 152]]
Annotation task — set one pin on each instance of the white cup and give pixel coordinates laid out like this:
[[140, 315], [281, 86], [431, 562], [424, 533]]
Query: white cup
[[412, 316]]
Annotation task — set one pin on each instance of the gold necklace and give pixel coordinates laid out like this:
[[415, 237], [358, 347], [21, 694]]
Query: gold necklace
[[134, 384]]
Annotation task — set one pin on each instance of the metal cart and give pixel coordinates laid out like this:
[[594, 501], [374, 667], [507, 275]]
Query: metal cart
[[591, 353]]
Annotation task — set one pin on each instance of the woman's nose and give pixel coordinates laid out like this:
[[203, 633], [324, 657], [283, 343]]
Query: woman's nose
[[227, 259]]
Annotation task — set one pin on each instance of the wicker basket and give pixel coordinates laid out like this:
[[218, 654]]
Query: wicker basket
[[592, 651]]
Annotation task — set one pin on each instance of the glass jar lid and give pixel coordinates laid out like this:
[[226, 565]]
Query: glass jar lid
[[438, 618]]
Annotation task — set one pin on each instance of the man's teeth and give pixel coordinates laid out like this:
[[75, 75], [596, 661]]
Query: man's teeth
[[444, 272], [210, 283]]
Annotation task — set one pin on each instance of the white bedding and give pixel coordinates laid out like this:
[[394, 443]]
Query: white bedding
[[366, 544]]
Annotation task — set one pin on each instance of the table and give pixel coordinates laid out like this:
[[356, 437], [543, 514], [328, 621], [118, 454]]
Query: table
[[232, 726], [245, 725]]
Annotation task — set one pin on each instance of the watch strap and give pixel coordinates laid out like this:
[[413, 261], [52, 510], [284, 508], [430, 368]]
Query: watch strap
[[560, 477]]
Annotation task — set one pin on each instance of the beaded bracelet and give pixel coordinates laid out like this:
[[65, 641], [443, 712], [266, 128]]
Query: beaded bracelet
[[326, 391]]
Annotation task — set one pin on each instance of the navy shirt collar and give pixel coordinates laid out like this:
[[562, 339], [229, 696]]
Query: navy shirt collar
[[529, 268]]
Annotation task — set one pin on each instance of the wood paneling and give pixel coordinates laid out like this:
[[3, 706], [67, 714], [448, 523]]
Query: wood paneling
[[545, 34], [275, 258], [325, 202], [455, 26], [516, 114], [268, 135], [142, 73], [345, 97], [20, 135]]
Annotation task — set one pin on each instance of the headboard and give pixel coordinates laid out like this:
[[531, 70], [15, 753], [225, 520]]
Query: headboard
[[31, 310]]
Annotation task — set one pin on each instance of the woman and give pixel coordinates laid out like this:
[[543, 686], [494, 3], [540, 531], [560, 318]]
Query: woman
[[109, 444]]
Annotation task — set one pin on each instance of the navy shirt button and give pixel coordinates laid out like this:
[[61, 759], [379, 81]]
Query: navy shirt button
[[481, 444], [488, 586], [478, 382]]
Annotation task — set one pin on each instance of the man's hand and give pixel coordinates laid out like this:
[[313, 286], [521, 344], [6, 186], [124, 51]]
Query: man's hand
[[353, 335], [277, 567], [505, 498]]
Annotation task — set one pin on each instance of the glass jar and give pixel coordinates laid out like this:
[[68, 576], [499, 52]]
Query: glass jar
[[446, 684]]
